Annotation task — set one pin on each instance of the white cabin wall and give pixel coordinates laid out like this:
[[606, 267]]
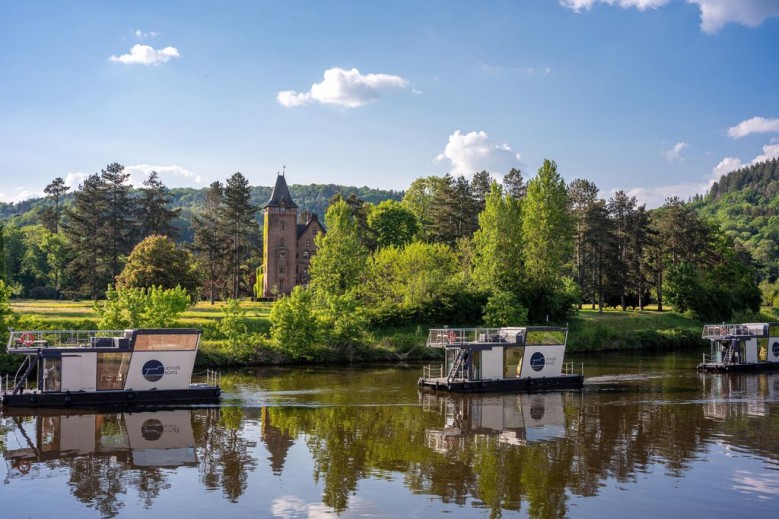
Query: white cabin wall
[[750, 353], [553, 361], [177, 369], [492, 363], [79, 371]]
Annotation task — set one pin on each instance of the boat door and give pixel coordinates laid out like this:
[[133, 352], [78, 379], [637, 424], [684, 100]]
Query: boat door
[[51, 372]]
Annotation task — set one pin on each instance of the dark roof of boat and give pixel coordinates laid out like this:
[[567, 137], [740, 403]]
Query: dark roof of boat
[[280, 196]]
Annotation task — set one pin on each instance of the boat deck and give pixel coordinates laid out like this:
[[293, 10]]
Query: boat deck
[[574, 381]]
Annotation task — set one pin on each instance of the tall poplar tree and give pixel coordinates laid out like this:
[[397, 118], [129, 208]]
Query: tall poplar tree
[[546, 227], [498, 263]]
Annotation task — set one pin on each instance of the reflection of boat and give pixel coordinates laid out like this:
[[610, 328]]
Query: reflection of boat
[[739, 395], [515, 419], [148, 439], [741, 347], [501, 359], [92, 368]]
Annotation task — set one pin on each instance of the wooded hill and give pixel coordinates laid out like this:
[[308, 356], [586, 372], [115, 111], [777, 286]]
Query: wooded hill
[[313, 198], [745, 204]]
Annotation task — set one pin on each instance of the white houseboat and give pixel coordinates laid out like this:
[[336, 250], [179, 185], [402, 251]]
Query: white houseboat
[[526, 358], [140, 367], [741, 347]]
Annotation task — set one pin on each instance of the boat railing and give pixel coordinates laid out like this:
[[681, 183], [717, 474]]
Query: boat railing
[[720, 331], [431, 371], [453, 337], [214, 378], [33, 339], [573, 368]]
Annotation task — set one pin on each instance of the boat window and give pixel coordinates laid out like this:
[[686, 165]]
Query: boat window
[[544, 337], [52, 374], [512, 361], [112, 370], [166, 341]]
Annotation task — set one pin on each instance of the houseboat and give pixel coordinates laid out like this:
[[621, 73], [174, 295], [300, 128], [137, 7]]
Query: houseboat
[[139, 367], [529, 358], [741, 347]]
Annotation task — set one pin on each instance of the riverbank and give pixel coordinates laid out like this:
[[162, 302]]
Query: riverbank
[[590, 331]]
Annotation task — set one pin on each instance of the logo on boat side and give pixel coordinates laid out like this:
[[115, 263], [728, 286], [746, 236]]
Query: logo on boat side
[[775, 349], [537, 361], [153, 370], [152, 430]]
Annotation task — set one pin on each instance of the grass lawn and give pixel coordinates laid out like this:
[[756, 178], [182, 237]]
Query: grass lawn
[[199, 315]]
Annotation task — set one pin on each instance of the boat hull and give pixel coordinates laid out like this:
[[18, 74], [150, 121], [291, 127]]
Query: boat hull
[[746, 367], [503, 385], [197, 394]]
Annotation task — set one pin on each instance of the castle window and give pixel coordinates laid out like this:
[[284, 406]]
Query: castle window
[[281, 268], [306, 255], [308, 243]]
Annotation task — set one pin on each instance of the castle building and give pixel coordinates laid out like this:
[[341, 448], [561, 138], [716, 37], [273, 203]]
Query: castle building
[[287, 245]]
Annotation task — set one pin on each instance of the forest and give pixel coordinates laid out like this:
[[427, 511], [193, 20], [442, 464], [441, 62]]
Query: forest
[[446, 250]]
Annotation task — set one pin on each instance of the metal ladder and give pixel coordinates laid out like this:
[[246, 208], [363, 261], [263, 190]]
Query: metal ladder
[[457, 365], [22, 381]]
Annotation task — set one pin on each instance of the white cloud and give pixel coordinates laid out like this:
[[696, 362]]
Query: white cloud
[[725, 166], [714, 13], [474, 151], [146, 55], [144, 35], [171, 176], [641, 5], [770, 151], [753, 125], [717, 13], [675, 153], [20, 194], [75, 179], [347, 88]]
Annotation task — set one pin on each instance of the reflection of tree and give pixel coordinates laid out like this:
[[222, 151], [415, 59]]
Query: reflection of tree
[[223, 453], [277, 441], [150, 482], [98, 481]]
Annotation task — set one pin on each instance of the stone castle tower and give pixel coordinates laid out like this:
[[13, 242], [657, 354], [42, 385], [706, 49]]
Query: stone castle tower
[[287, 246]]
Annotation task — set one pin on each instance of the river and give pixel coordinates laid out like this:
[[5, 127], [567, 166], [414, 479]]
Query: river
[[648, 437]]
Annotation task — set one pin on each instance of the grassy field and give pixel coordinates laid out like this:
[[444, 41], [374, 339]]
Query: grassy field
[[201, 314], [590, 330]]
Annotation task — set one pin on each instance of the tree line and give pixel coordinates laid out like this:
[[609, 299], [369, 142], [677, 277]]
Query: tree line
[[451, 250]]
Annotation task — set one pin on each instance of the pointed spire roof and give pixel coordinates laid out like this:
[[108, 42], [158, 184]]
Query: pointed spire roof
[[280, 196]]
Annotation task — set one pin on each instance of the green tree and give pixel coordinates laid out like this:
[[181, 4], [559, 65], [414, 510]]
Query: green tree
[[210, 241], [504, 309], [158, 262], [294, 327], [238, 215], [547, 227], [55, 191], [339, 264], [498, 262], [153, 213], [233, 325], [513, 184], [393, 224], [119, 224], [89, 270], [152, 307]]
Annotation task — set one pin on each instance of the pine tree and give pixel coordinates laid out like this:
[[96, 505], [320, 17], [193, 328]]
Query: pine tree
[[238, 216], [210, 240], [154, 215], [514, 185], [55, 191], [83, 224], [119, 222]]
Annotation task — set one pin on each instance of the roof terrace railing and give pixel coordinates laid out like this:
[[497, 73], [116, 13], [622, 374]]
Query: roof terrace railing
[[34, 339]]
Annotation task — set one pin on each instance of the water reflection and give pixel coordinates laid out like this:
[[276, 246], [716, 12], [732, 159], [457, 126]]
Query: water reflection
[[331, 434], [513, 419]]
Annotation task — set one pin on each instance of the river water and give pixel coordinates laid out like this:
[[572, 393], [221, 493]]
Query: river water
[[647, 437]]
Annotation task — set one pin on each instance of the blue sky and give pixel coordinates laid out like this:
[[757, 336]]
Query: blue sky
[[655, 97]]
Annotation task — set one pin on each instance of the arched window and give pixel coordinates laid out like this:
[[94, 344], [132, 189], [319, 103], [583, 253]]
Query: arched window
[[306, 254]]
